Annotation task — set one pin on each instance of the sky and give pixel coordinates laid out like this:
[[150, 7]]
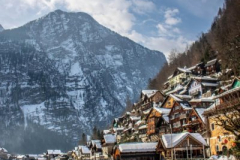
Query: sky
[[163, 25]]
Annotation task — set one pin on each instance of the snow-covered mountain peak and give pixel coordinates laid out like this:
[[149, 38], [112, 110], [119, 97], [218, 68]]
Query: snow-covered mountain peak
[[66, 73]]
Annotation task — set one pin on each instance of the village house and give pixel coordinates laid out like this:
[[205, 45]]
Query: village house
[[95, 148], [221, 139], [200, 87], [150, 98], [178, 115], [154, 121], [143, 151], [108, 142], [182, 145], [212, 67], [196, 122], [53, 153], [84, 152]]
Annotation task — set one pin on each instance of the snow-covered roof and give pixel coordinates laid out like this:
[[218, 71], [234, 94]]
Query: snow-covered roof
[[149, 93], [228, 92], [137, 147], [200, 112], [138, 122], [202, 100], [110, 138], [95, 141], [205, 78], [143, 127], [135, 118], [106, 131], [185, 70], [185, 105], [175, 98], [118, 129], [147, 111], [3, 150], [183, 96], [98, 145], [179, 87], [170, 76], [162, 110], [210, 62], [54, 151], [85, 150], [210, 84], [172, 140], [166, 118]]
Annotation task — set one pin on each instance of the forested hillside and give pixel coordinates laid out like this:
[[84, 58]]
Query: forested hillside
[[221, 41]]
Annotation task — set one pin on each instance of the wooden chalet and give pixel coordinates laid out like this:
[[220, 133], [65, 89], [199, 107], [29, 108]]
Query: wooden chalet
[[200, 87], [149, 98], [170, 101], [95, 147], [154, 120], [181, 145], [84, 152], [52, 153], [198, 69], [178, 115], [134, 151], [108, 142], [180, 76], [196, 122], [212, 67]]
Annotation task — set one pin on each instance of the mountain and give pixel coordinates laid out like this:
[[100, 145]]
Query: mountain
[[63, 74], [1, 28]]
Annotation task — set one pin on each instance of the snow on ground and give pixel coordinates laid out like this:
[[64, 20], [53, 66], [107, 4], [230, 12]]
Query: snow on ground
[[76, 70], [33, 111]]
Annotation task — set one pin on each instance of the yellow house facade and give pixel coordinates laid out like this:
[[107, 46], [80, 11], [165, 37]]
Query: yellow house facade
[[220, 139]]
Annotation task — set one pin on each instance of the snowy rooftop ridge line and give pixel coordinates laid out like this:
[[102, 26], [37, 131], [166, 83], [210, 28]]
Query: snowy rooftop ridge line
[[138, 147]]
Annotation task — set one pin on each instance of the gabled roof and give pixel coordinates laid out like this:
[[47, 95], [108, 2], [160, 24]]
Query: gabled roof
[[172, 140], [177, 88], [54, 151], [175, 98], [149, 92], [137, 147], [200, 112], [185, 105], [110, 138], [143, 127], [165, 118], [211, 62], [3, 150], [135, 118], [85, 150], [165, 111]]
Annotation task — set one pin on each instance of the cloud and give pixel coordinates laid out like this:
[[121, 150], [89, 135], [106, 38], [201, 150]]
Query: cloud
[[143, 6], [170, 18], [118, 15]]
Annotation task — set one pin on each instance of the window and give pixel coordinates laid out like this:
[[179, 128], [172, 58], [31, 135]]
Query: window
[[219, 139], [217, 148], [212, 126], [217, 101]]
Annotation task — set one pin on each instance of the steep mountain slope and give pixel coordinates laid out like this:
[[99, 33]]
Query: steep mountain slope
[[1, 28], [66, 73]]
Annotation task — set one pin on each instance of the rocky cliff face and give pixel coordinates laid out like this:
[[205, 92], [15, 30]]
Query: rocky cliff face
[[64, 73]]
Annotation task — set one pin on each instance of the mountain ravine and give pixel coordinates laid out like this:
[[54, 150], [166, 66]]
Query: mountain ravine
[[63, 74]]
